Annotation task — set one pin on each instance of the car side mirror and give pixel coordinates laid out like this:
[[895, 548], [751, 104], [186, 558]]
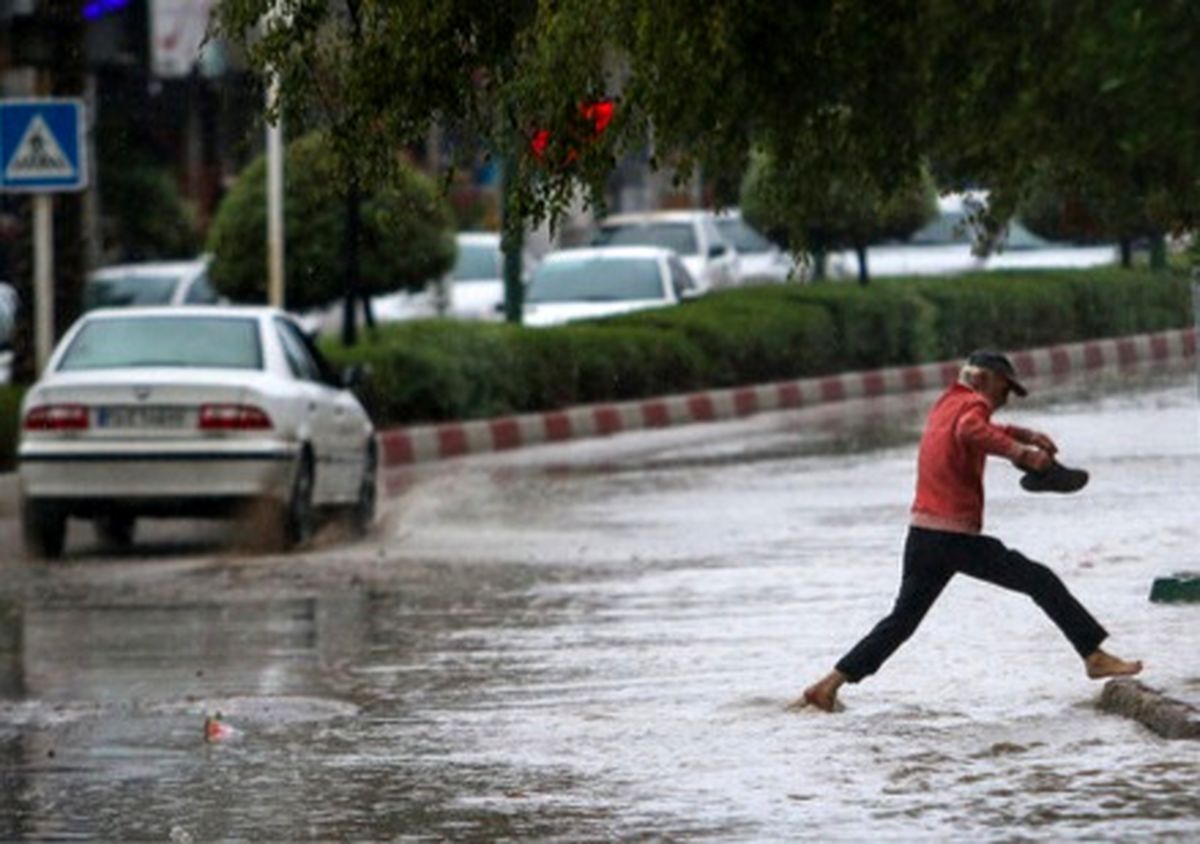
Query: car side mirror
[[716, 250]]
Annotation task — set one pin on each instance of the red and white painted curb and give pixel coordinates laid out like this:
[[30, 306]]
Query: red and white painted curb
[[422, 443]]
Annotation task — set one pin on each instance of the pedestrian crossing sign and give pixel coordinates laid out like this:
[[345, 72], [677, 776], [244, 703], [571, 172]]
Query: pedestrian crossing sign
[[42, 146]]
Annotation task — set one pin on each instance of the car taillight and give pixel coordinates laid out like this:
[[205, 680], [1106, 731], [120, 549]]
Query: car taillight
[[233, 417], [57, 417]]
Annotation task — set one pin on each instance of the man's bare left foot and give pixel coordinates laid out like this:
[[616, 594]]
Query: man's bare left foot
[[1100, 664]]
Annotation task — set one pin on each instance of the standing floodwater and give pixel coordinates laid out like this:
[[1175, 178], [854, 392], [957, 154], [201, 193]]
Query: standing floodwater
[[598, 640]]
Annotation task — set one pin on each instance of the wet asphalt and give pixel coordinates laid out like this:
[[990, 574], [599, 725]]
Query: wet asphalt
[[597, 641]]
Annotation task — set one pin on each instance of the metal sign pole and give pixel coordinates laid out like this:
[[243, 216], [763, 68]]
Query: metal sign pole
[[43, 277]]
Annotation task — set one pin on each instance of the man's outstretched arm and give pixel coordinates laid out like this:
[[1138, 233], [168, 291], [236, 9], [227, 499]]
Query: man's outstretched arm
[[1027, 449]]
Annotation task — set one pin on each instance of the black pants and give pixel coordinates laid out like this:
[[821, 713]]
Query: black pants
[[931, 558]]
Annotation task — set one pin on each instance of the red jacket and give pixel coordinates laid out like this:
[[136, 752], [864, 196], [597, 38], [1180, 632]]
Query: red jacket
[[959, 435]]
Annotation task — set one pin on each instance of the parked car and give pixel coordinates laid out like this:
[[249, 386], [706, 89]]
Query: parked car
[[947, 245], [8, 323], [472, 290], [150, 283], [759, 259], [589, 283], [712, 262], [205, 411]]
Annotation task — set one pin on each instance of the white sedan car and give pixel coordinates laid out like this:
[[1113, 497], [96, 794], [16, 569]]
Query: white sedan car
[[599, 282], [203, 411]]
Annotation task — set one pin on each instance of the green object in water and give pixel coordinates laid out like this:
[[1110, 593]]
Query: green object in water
[[1176, 588]]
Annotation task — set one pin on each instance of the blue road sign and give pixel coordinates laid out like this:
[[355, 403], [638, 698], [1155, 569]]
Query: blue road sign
[[41, 146]]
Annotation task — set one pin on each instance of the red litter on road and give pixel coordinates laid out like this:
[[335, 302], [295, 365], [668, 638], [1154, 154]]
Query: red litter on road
[[217, 730]]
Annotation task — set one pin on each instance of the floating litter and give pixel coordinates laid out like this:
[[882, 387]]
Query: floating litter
[[1184, 586], [217, 730]]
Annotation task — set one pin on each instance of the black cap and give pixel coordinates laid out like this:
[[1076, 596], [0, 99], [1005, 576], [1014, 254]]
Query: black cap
[[997, 362]]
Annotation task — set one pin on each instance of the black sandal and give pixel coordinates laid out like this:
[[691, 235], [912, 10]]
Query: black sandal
[[1055, 478]]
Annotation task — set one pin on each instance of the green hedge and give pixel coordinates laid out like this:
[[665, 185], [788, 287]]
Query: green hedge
[[1017, 310], [435, 371]]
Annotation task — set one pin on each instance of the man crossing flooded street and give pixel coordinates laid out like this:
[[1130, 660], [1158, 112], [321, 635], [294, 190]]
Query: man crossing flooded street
[[944, 537]]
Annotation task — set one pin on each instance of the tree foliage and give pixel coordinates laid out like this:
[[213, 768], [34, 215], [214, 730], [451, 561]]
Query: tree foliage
[[1097, 100], [143, 214], [145, 217], [1102, 92], [407, 238]]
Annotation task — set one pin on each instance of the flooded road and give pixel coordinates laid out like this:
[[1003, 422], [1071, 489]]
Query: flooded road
[[598, 640]]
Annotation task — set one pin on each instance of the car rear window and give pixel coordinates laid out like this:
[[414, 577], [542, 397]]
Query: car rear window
[[596, 280], [678, 236], [204, 342], [121, 291]]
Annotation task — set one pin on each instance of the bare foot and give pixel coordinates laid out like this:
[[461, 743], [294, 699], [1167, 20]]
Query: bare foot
[[1100, 665], [822, 695]]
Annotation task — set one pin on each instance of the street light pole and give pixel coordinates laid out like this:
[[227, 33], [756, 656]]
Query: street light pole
[[274, 198], [43, 278]]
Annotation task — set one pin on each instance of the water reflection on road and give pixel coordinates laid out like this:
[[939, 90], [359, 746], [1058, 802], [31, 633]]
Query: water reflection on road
[[597, 640]]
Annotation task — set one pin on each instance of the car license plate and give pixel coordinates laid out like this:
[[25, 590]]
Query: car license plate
[[140, 416]]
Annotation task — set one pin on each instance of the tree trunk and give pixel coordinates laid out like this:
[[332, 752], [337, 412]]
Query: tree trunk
[[1126, 246], [511, 244], [820, 257], [351, 269], [368, 312], [1158, 252], [68, 81], [864, 275], [350, 266]]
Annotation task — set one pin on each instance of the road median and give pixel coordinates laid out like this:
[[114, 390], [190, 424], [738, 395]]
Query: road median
[[403, 446]]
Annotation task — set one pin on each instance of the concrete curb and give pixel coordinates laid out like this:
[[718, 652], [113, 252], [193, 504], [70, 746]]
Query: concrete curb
[[1169, 718], [423, 443]]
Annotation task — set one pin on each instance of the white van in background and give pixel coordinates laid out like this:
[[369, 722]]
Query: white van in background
[[150, 283], [693, 235]]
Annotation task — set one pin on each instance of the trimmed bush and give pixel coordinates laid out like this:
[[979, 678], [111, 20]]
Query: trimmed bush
[[884, 325], [10, 424], [750, 335], [1017, 310], [407, 238]]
